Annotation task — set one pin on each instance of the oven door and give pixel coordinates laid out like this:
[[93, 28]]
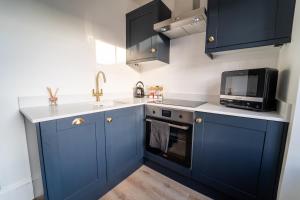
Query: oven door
[[245, 85], [179, 145]]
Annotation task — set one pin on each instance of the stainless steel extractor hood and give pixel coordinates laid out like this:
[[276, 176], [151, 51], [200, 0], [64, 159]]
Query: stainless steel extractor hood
[[188, 23]]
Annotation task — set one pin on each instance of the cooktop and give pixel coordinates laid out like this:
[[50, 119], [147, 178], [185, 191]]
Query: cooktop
[[178, 102]]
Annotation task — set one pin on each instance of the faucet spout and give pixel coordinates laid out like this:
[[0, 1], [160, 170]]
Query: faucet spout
[[99, 92]]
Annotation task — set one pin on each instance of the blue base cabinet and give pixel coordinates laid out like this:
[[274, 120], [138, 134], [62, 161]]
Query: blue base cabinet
[[82, 157], [124, 142], [73, 158], [240, 157]]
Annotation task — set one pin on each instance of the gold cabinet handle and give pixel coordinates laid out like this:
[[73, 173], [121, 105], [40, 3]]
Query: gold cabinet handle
[[198, 120], [109, 119], [78, 121], [211, 39], [153, 50]]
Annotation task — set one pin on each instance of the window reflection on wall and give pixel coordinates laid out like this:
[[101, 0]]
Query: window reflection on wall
[[108, 54]]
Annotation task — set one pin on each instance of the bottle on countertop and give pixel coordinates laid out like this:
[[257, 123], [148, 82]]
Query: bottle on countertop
[[155, 92]]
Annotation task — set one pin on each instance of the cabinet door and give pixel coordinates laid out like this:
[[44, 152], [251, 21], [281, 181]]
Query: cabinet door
[[228, 154], [237, 22], [124, 142], [142, 42], [74, 157], [140, 32]]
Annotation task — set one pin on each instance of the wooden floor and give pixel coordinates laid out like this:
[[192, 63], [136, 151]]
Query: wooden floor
[[147, 184]]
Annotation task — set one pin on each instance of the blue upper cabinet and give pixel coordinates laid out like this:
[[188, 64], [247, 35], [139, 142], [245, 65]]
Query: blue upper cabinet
[[142, 42], [237, 24], [124, 142], [240, 157], [74, 162]]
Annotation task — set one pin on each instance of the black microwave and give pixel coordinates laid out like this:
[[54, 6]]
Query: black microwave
[[252, 89]]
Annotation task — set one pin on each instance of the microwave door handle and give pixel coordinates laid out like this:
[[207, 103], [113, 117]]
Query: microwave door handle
[[171, 125]]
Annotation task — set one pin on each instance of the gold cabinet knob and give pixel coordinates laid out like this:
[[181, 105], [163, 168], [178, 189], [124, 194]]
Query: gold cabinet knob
[[211, 39], [78, 121], [198, 120], [153, 50], [109, 119]]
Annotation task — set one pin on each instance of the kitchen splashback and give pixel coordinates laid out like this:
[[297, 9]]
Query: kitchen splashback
[[192, 72]]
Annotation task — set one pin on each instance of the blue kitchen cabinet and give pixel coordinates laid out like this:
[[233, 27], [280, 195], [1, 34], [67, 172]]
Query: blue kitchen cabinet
[[142, 42], [237, 156], [73, 157], [124, 142], [237, 24]]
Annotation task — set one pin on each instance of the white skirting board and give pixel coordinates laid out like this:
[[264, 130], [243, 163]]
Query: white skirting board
[[21, 190]]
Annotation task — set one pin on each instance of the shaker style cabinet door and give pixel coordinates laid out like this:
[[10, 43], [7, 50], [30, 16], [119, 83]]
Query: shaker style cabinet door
[[140, 32], [237, 156], [74, 157], [142, 42], [124, 142], [236, 24]]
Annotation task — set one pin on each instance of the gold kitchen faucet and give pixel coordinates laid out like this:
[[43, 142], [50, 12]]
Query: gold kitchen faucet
[[99, 92]]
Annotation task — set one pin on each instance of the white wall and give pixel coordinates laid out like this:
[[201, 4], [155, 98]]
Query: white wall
[[50, 43], [289, 65], [192, 72], [290, 180]]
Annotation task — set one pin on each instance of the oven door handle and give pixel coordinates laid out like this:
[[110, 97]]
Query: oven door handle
[[171, 125]]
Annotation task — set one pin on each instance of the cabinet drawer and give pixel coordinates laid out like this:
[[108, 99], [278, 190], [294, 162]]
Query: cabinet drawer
[[80, 120]]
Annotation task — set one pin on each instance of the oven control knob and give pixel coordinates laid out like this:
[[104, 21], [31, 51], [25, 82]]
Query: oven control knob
[[198, 120], [180, 116], [153, 112]]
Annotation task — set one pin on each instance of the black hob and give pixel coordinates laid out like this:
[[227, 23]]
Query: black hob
[[179, 102]]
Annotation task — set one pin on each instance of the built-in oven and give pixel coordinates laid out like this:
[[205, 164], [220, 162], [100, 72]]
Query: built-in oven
[[169, 134]]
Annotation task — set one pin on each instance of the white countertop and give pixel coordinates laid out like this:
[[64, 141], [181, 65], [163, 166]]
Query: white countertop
[[47, 113]]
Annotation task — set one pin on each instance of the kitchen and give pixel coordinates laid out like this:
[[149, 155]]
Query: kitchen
[[63, 45]]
